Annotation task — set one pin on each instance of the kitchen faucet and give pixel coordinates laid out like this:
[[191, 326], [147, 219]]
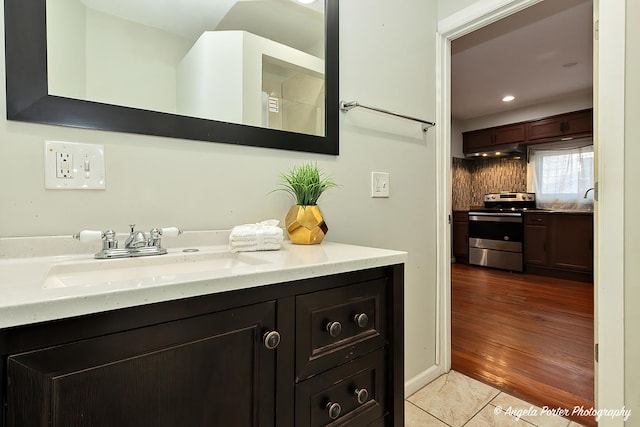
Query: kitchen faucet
[[136, 245], [587, 192]]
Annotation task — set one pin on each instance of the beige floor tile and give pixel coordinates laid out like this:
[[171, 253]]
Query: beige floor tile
[[528, 412], [490, 416], [453, 398], [416, 417], [575, 424]]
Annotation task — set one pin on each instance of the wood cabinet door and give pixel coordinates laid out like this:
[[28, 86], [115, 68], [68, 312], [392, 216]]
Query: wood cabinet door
[[210, 370], [509, 134], [546, 128], [461, 239], [535, 245], [477, 139], [580, 122], [571, 242]]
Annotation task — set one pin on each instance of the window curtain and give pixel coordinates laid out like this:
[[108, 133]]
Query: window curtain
[[560, 177]]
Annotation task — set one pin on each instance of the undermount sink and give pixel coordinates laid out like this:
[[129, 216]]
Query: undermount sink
[[147, 271]]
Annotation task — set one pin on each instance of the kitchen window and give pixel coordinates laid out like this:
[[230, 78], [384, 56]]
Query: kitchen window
[[560, 177]]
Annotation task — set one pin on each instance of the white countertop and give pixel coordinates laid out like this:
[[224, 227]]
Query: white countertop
[[39, 283]]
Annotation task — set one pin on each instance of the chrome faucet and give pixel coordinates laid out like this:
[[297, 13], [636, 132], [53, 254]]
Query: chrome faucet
[[136, 239], [587, 192], [136, 244]]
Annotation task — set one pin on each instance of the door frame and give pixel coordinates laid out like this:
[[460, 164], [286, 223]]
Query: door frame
[[609, 111]]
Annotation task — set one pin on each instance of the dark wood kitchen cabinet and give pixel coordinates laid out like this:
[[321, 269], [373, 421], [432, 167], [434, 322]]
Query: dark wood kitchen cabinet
[[570, 125], [206, 360], [559, 244], [491, 137], [460, 236], [571, 242], [577, 124], [535, 239]]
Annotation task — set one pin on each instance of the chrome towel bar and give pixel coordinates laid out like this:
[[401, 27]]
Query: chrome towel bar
[[346, 106]]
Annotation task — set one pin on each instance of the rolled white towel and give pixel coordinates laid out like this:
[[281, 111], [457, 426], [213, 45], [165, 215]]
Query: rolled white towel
[[255, 248], [263, 236]]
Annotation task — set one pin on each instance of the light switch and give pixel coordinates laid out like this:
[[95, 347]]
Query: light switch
[[73, 166], [379, 184]]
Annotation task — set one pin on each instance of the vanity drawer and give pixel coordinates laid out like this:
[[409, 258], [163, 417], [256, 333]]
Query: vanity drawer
[[353, 394], [338, 325]]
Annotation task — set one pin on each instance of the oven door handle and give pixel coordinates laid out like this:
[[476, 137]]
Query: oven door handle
[[495, 218]]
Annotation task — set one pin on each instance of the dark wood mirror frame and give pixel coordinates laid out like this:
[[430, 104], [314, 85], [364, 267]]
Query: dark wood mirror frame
[[28, 98]]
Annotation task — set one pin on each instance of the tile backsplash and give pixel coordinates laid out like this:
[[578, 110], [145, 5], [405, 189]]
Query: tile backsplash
[[473, 178]]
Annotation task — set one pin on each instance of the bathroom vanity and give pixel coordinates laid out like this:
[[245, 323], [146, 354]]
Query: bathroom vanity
[[304, 336]]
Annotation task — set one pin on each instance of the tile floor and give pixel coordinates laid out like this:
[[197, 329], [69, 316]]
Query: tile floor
[[456, 400]]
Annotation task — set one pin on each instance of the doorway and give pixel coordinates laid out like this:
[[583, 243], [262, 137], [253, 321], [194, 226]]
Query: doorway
[[608, 117]]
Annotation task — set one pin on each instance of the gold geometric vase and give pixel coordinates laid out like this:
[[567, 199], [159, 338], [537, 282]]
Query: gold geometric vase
[[305, 225]]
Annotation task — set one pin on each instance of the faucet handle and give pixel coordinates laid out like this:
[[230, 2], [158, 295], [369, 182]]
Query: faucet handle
[[108, 237], [170, 232], [156, 233], [89, 235]]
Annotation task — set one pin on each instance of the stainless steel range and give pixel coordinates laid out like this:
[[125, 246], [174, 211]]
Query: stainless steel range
[[496, 231]]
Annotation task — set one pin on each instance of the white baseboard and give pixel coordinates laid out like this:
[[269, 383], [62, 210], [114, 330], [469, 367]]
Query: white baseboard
[[422, 379]]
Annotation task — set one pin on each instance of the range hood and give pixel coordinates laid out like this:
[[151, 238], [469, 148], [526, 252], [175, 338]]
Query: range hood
[[502, 150]]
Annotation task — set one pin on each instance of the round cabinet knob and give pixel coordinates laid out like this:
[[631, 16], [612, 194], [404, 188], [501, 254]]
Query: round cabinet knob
[[362, 395], [271, 339], [361, 320], [333, 410], [334, 328]]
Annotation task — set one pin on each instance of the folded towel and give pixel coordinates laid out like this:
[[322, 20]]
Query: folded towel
[[263, 236]]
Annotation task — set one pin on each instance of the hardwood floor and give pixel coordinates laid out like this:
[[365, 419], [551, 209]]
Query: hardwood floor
[[529, 336]]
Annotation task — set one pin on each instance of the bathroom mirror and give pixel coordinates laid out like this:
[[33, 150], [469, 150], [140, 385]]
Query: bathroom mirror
[[231, 78]]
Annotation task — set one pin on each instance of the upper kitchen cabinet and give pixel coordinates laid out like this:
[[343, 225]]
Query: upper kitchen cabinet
[[509, 134], [570, 125]]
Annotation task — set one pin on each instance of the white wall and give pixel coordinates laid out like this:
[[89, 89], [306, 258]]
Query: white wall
[[632, 207], [449, 7], [154, 181]]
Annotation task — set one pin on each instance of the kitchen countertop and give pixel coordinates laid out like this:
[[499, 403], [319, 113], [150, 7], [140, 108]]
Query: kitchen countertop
[[33, 287]]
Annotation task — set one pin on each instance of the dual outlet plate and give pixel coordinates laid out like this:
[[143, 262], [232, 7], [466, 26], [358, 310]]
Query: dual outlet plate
[[73, 166]]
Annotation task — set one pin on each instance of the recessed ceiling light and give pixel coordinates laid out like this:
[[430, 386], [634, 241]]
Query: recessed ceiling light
[[508, 98], [498, 153], [306, 1]]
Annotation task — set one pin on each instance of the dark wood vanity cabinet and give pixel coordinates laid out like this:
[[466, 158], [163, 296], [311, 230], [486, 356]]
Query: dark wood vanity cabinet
[[205, 361], [170, 374], [559, 244]]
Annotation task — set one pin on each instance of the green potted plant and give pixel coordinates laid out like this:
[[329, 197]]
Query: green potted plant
[[304, 222]]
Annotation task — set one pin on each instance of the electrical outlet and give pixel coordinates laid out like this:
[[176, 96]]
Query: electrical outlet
[[64, 165], [379, 184], [73, 166]]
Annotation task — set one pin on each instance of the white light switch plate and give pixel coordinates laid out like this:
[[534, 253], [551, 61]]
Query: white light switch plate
[[73, 166], [379, 184]]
